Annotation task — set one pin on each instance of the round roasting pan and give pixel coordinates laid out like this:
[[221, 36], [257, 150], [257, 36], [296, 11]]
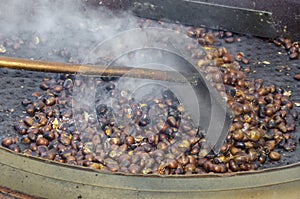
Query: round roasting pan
[[47, 179]]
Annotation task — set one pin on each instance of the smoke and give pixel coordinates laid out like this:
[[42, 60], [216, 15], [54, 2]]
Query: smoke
[[73, 31], [52, 25], [70, 31]]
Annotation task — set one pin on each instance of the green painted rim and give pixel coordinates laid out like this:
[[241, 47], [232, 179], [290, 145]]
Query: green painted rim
[[49, 179], [152, 183]]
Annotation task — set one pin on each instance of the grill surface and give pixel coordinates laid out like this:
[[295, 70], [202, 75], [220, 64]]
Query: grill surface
[[18, 85]]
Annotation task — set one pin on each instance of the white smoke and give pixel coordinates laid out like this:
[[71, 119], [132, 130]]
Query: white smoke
[[59, 24]]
